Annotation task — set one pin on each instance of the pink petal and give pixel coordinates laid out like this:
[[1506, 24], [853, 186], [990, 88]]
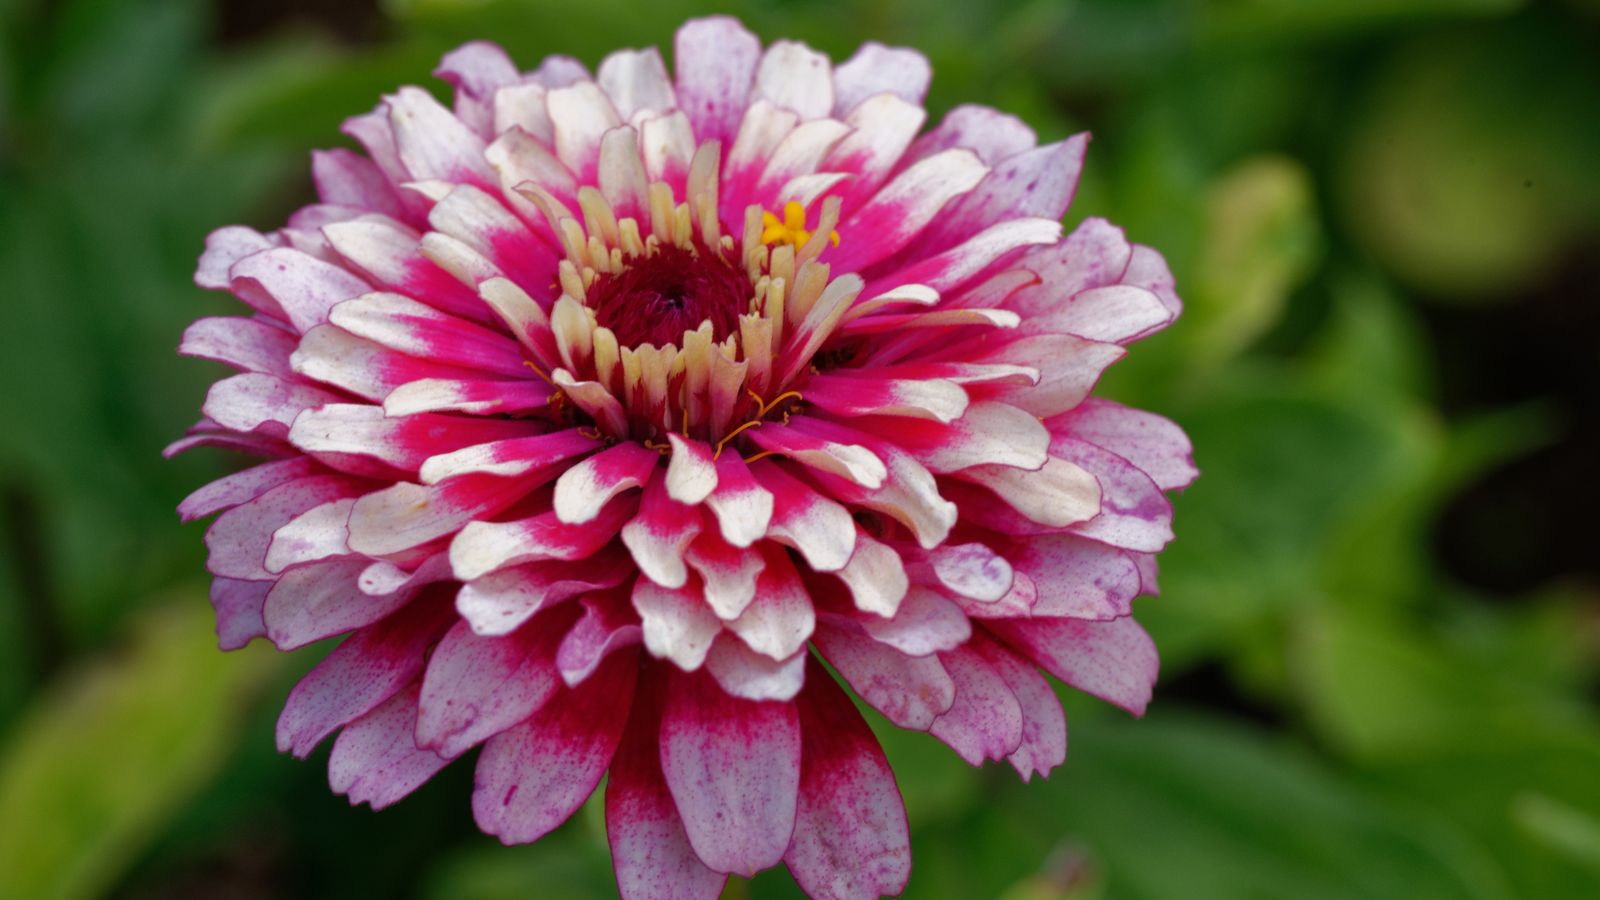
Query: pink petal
[[876, 576], [742, 672], [238, 539], [876, 69], [1078, 578], [1038, 182], [677, 623], [532, 777], [376, 759], [871, 394], [925, 623], [851, 840], [243, 486], [477, 70], [304, 287], [499, 602], [482, 547], [367, 669], [728, 573], [1134, 514], [238, 606], [1069, 368], [607, 626], [822, 530], [985, 722], [508, 456], [1115, 661], [346, 178], [476, 687], [408, 515], [431, 142], [317, 601], [989, 433], [585, 489], [691, 470], [226, 246], [482, 398], [1155, 445], [733, 767], [911, 691], [742, 506], [250, 345], [793, 76], [337, 431], [649, 848], [636, 81], [904, 207], [265, 403], [780, 619], [660, 534], [991, 134], [715, 59], [1044, 725]]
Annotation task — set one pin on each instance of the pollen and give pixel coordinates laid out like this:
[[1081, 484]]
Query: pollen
[[792, 229]]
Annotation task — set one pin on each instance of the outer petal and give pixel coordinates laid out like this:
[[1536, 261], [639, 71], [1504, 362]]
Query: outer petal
[[1115, 661], [911, 691], [649, 847], [376, 759], [715, 59], [851, 840], [733, 767], [532, 777]]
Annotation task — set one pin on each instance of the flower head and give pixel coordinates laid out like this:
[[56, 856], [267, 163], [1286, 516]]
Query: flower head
[[601, 409]]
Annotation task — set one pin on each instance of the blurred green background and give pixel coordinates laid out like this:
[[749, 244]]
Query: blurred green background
[[1380, 623]]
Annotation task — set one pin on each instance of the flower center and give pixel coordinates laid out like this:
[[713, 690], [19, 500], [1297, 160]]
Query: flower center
[[659, 297]]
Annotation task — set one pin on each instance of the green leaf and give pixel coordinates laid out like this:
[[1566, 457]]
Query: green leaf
[[112, 751]]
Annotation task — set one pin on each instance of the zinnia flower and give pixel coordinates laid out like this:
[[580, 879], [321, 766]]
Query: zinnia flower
[[602, 411]]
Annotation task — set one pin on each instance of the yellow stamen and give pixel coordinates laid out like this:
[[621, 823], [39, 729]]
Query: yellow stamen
[[762, 455], [779, 399], [792, 229], [753, 423]]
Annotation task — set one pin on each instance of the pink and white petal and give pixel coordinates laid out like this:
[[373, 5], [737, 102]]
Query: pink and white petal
[[249, 345], [985, 721], [715, 60], [805, 442], [621, 173], [1044, 725], [1148, 572], [677, 623], [1148, 270], [376, 759], [728, 573], [869, 394], [882, 127], [851, 839], [1069, 368], [484, 227], [373, 131], [336, 357], [238, 539], [580, 115], [779, 621], [1157, 446], [742, 506], [512, 456], [253, 401], [499, 602], [383, 577], [346, 178], [226, 246], [876, 576], [991, 134], [972, 570], [432, 143], [389, 256], [637, 82], [875, 69], [1077, 578], [477, 70], [304, 287], [749, 675], [243, 486], [1134, 513], [667, 143], [1115, 660], [313, 536], [904, 207], [1116, 313], [649, 848], [925, 623], [819, 528], [733, 767], [408, 515], [911, 691], [1058, 495], [317, 601], [691, 470], [948, 271], [481, 398], [607, 625], [532, 777], [990, 433], [585, 489], [910, 495], [795, 77], [1095, 254], [371, 666], [238, 607], [340, 430], [482, 547], [558, 71], [660, 534], [476, 687], [1038, 182]]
